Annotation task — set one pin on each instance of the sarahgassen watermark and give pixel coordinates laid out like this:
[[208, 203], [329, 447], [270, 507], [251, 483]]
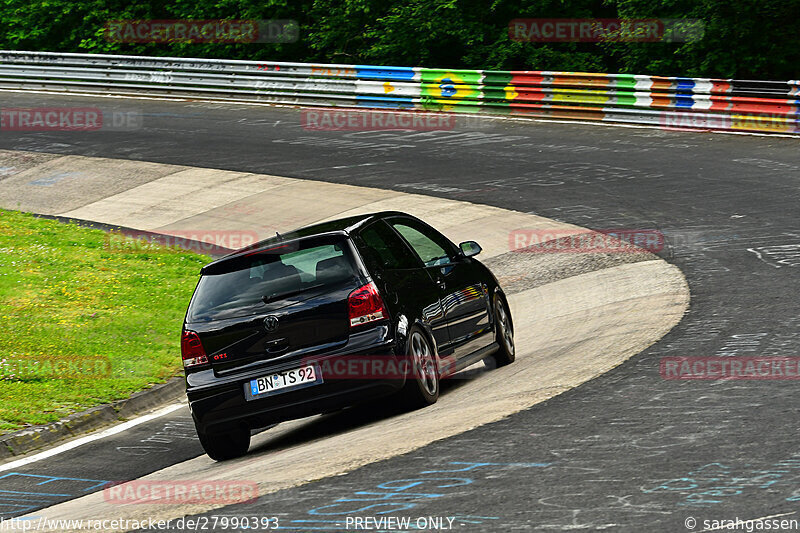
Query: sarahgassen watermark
[[219, 31], [553, 30], [738, 524]]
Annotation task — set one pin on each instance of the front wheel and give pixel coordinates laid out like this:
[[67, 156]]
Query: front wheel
[[504, 333], [422, 382], [230, 443]]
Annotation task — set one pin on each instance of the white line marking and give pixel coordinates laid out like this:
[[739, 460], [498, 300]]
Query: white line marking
[[761, 256], [90, 438], [492, 117]]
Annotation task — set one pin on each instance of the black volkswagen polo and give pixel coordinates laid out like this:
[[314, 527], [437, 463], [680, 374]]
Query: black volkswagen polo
[[330, 315]]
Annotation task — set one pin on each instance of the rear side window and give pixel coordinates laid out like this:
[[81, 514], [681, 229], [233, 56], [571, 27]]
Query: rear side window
[[247, 284], [381, 248]]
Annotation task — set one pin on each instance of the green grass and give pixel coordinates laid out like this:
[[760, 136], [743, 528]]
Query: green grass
[[66, 295]]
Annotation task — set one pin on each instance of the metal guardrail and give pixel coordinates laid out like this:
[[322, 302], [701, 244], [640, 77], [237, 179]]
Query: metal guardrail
[[671, 102]]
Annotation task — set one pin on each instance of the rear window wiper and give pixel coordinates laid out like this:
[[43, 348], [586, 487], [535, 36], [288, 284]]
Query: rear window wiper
[[267, 298]]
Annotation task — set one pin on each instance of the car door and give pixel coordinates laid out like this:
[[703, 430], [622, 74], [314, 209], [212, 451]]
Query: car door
[[401, 278], [464, 297]]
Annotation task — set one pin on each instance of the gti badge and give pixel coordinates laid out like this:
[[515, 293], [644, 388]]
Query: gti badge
[[271, 322]]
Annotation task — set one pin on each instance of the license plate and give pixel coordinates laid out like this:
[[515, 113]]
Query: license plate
[[297, 378]]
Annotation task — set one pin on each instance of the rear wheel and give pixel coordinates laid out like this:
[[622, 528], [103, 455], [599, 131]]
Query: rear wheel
[[223, 444], [504, 334], [422, 383]]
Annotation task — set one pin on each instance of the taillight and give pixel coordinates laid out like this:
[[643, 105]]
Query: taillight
[[365, 305], [192, 350]]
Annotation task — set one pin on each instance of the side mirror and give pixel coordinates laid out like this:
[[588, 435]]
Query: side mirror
[[470, 248]]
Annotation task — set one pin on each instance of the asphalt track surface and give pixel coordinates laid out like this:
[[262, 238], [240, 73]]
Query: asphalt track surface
[[628, 451]]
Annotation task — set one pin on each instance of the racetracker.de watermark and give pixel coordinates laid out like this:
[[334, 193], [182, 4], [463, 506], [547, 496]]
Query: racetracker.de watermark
[[693, 120], [181, 492], [324, 119], [77, 367], [549, 241], [551, 30], [371, 367], [219, 31], [212, 522], [733, 368], [198, 240], [68, 119]]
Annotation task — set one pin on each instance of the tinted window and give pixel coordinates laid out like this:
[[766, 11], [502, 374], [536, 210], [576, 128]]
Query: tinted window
[[244, 285], [382, 248], [431, 247]]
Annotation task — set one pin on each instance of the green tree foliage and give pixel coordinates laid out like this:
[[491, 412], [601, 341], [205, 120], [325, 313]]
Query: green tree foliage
[[741, 39]]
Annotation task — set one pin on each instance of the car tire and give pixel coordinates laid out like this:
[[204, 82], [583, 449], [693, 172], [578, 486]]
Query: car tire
[[225, 444], [422, 382], [504, 334]]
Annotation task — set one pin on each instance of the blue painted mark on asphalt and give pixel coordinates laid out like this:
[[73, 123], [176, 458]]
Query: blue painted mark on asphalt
[[414, 482], [388, 496], [22, 501], [472, 466], [51, 479], [713, 483], [52, 179], [393, 499], [9, 508], [53, 494]]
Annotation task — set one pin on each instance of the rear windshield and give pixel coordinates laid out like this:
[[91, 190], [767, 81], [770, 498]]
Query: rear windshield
[[248, 284]]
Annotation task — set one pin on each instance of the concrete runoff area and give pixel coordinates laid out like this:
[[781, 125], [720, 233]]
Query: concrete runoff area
[[575, 327]]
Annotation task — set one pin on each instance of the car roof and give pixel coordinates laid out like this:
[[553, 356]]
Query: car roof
[[343, 226]]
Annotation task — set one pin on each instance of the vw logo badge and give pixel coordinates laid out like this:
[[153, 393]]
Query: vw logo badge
[[271, 322]]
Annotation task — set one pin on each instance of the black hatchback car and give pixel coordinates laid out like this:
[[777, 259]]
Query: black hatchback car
[[333, 314]]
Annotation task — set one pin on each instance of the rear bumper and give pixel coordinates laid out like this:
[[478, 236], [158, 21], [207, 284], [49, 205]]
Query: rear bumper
[[224, 402]]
